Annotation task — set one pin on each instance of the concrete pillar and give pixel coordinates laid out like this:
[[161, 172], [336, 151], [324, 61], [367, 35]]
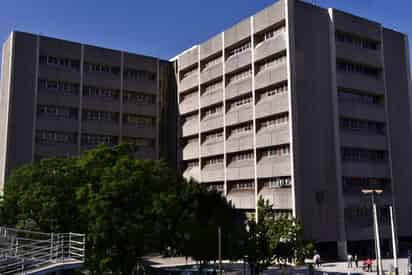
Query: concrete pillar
[[342, 250]]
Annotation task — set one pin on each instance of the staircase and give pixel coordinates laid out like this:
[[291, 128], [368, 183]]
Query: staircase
[[36, 253]]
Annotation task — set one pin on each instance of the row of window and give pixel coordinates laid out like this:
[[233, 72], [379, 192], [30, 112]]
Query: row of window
[[238, 76], [356, 40], [274, 90], [188, 72], [56, 137], [213, 137], [238, 49], [72, 113], [278, 151], [243, 100], [241, 129], [277, 182], [350, 67], [65, 87], [356, 184], [74, 64], [243, 185], [271, 62], [215, 110], [269, 34], [211, 62], [347, 96], [241, 156], [357, 154], [362, 126]]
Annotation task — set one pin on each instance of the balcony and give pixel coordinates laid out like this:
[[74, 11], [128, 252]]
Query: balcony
[[360, 140], [359, 82], [135, 131], [213, 173], [272, 105], [190, 128], [359, 55], [58, 149], [238, 88], [238, 61], [273, 136], [57, 124], [365, 169], [189, 82], [362, 111], [191, 151], [271, 76], [193, 172], [240, 169], [239, 114], [48, 97], [212, 148], [242, 199], [280, 198], [139, 108], [270, 46], [239, 143], [211, 73], [211, 123], [274, 167], [211, 98], [189, 104]]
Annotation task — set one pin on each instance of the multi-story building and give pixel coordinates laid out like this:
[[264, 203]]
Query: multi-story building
[[304, 107], [299, 105], [60, 98]]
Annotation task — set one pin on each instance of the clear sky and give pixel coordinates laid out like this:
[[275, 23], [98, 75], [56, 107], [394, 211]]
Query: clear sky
[[163, 28]]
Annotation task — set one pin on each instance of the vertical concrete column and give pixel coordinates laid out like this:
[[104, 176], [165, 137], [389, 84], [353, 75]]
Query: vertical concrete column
[[252, 48], [199, 114], [290, 53], [121, 97], [387, 121], [225, 187], [158, 102], [179, 120], [36, 88], [342, 243], [408, 73], [79, 137]]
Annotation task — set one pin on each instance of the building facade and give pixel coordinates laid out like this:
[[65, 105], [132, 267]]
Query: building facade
[[61, 98], [300, 105], [304, 107]]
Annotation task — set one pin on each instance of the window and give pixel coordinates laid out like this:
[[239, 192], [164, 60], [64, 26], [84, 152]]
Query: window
[[93, 139], [101, 68], [239, 76], [212, 111], [277, 182], [241, 156], [277, 151], [143, 142], [67, 63], [271, 91], [349, 96], [349, 67], [138, 98], [238, 49], [216, 186], [271, 62], [60, 87], [356, 154], [59, 112], [213, 137], [362, 126], [239, 130], [100, 116], [212, 62], [139, 121], [101, 92], [192, 164], [273, 121], [212, 87], [240, 102], [52, 137], [213, 161], [269, 34], [244, 185], [357, 41]]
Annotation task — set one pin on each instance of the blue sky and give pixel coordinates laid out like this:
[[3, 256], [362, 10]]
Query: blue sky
[[163, 28]]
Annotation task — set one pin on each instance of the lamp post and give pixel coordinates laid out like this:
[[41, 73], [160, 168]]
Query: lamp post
[[394, 242], [372, 192]]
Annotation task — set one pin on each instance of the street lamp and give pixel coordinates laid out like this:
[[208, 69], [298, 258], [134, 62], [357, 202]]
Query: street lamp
[[372, 192]]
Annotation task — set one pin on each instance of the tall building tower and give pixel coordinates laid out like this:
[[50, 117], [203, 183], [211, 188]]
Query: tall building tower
[[304, 107], [60, 98]]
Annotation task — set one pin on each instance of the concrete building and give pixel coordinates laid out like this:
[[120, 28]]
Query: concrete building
[[60, 98], [299, 105], [304, 107]]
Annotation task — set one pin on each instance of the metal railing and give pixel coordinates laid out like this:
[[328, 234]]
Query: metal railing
[[22, 250]]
